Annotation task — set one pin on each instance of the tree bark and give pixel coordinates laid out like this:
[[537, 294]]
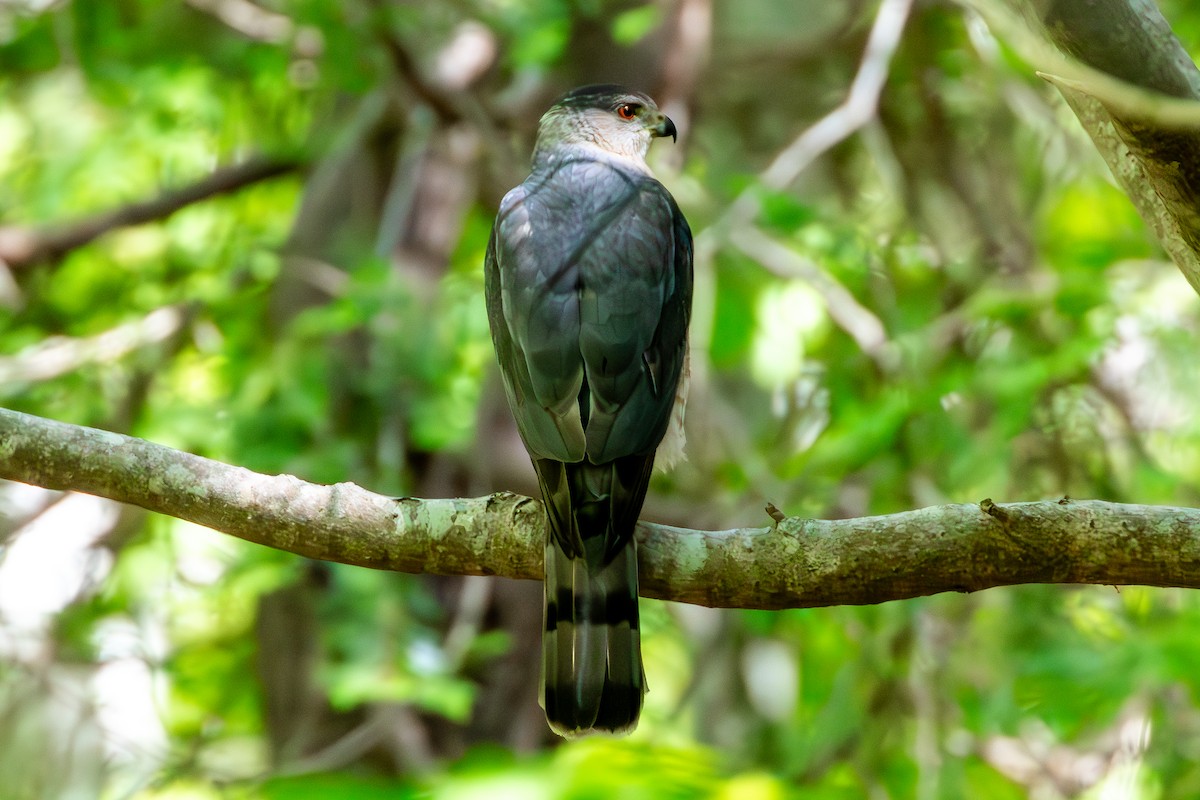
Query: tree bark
[[796, 563], [1149, 140]]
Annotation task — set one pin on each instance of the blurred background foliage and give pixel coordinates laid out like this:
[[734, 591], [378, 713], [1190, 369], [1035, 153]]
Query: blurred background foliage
[[953, 302]]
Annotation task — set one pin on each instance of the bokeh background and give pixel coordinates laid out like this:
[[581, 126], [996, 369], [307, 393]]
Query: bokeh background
[[254, 231]]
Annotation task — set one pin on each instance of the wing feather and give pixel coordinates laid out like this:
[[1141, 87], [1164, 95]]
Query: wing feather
[[592, 316]]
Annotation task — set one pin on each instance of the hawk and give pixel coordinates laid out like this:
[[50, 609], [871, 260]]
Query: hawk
[[588, 278]]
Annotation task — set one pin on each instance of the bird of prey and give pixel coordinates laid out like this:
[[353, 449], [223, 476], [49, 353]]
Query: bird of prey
[[588, 278]]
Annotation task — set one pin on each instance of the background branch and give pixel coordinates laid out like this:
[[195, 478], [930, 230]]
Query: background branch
[[857, 321], [797, 563], [59, 355], [856, 110], [24, 247]]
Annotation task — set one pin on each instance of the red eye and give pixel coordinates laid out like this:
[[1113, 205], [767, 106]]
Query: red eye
[[627, 111]]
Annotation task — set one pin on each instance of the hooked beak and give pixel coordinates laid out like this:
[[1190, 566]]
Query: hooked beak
[[665, 128]]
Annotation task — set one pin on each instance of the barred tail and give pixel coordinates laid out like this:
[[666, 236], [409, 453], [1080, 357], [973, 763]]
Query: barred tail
[[592, 678]]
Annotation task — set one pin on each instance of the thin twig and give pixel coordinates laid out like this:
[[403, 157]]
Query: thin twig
[[853, 113], [59, 355], [857, 110], [864, 327], [859, 106], [249, 19], [407, 69]]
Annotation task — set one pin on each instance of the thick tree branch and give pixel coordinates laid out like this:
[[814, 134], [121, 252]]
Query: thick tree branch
[[1134, 89], [25, 247], [797, 563], [1130, 40]]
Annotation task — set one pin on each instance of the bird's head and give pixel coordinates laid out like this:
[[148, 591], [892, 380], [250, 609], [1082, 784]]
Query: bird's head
[[606, 116]]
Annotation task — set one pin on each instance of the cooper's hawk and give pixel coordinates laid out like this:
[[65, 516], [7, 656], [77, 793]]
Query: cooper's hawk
[[589, 286]]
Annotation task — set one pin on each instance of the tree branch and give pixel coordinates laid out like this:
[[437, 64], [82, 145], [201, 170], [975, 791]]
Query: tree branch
[[58, 355], [25, 247], [249, 19], [797, 563], [1130, 40], [1134, 88], [864, 327], [855, 111]]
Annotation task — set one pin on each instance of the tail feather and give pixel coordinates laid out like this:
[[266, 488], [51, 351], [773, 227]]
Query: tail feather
[[591, 651]]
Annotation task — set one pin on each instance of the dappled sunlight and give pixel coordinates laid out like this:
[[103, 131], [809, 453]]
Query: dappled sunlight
[[256, 232]]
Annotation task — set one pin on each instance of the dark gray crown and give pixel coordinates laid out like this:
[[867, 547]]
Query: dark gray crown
[[601, 95]]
